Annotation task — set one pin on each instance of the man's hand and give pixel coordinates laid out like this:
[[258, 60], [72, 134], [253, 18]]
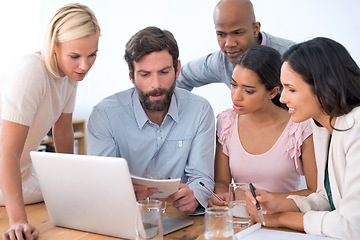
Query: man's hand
[[184, 199], [21, 231], [142, 192]]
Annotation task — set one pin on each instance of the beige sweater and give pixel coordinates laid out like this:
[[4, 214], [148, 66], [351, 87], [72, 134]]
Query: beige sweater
[[35, 99]]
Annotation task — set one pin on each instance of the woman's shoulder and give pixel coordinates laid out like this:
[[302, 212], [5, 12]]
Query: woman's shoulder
[[297, 134], [298, 128], [32, 58], [225, 122], [28, 76], [226, 117], [352, 119], [31, 64]]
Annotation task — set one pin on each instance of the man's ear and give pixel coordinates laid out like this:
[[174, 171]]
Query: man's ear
[[131, 79], [256, 27], [178, 69]]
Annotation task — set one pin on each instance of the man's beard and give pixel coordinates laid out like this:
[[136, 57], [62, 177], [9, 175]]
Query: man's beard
[[159, 105]]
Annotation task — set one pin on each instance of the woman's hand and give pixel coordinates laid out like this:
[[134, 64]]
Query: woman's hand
[[268, 202], [21, 231], [213, 201]]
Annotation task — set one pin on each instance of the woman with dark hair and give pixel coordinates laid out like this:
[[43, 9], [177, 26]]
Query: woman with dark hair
[[322, 82], [257, 141]]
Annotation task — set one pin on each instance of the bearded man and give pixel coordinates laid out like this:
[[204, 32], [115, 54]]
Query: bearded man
[[159, 129]]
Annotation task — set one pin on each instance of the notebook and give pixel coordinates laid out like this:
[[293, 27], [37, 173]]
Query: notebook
[[91, 193], [255, 232]]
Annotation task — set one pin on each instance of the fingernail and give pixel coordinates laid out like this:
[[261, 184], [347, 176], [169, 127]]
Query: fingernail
[[254, 202]]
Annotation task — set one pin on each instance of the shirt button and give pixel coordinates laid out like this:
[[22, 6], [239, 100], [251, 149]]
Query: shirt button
[[158, 131], [159, 138], [180, 144]]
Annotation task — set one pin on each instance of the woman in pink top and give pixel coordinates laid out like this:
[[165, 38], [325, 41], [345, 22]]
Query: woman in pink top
[[256, 140]]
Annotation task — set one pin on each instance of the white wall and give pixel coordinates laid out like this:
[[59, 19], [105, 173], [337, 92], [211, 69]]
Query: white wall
[[23, 23]]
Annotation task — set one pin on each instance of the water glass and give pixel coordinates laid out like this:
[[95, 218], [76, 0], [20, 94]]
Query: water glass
[[237, 204], [157, 177], [149, 223], [218, 223]]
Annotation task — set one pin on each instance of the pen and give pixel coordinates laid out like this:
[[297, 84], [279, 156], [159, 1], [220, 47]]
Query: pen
[[202, 184], [252, 189]]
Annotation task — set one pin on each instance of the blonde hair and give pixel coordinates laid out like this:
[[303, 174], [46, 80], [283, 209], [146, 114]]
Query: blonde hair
[[73, 21]]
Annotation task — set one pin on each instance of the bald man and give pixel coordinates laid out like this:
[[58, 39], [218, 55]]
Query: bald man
[[236, 30]]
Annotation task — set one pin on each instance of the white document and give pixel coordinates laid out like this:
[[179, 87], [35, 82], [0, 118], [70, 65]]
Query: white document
[[166, 187], [247, 231], [256, 233]]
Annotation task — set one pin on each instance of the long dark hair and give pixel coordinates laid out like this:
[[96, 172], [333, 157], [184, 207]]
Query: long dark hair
[[266, 63], [333, 75]]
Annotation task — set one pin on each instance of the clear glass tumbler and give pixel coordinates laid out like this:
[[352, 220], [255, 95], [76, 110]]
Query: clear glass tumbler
[[149, 223], [237, 204], [218, 223]]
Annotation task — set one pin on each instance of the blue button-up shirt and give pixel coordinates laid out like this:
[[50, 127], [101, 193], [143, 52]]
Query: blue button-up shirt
[[181, 147]]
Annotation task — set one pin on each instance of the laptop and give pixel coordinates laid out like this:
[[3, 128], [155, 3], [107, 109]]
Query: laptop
[[91, 193]]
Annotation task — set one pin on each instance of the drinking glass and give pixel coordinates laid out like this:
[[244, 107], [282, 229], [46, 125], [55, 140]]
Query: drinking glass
[[157, 177], [149, 223], [237, 204], [218, 223]]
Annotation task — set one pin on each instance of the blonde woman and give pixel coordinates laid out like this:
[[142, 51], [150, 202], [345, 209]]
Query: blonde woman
[[42, 96]]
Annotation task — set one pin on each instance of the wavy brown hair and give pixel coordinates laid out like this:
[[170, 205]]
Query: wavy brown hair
[[148, 40]]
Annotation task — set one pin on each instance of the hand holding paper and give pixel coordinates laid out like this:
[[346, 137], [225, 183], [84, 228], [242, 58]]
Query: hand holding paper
[[184, 199], [165, 187]]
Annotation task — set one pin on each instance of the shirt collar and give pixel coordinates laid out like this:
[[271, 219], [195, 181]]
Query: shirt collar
[[263, 38], [142, 118], [173, 109]]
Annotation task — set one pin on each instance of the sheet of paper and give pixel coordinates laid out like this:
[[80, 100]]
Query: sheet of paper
[[247, 231], [166, 187], [269, 234]]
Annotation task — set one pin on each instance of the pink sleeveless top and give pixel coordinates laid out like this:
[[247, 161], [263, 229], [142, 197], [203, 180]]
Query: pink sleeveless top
[[277, 170]]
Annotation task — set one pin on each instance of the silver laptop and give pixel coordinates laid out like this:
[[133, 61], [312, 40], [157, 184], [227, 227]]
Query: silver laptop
[[91, 193]]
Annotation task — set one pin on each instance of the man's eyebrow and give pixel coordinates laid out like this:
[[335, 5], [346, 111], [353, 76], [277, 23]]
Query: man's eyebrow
[[165, 68], [235, 30], [144, 71]]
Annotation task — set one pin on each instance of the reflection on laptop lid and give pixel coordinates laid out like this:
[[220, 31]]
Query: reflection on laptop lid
[[91, 193]]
